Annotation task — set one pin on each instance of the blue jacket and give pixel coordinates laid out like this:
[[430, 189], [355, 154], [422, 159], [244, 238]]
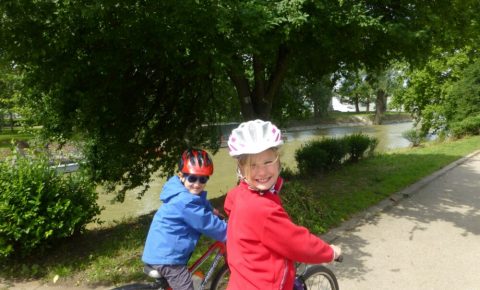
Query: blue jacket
[[178, 224]]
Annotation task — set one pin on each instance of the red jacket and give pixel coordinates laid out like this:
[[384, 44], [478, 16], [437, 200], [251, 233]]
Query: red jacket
[[263, 243]]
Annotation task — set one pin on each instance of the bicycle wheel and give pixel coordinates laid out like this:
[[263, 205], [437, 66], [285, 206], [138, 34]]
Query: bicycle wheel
[[318, 277], [220, 280]]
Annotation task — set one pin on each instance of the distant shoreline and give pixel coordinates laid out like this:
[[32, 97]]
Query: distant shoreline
[[345, 121]]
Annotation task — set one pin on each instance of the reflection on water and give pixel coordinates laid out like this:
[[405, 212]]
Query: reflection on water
[[224, 176], [390, 136]]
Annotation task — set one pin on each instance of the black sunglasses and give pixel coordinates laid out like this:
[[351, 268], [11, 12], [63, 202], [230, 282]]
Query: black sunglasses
[[194, 178]]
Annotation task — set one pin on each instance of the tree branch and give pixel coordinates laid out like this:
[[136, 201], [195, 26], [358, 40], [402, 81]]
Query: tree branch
[[240, 82], [278, 73]]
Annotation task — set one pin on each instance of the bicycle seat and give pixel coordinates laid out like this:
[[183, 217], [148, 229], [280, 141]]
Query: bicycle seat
[[151, 272]]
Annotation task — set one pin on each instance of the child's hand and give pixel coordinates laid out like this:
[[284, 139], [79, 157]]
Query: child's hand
[[337, 253], [218, 213]]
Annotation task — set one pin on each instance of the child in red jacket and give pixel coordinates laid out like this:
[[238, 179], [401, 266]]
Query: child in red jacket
[[263, 243]]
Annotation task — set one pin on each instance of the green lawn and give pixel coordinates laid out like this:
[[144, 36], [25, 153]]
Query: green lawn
[[6, 137]]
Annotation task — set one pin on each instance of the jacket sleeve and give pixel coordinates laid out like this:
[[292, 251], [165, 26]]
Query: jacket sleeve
[[202, 219], [207, 203], [228, 203], [294, 242]]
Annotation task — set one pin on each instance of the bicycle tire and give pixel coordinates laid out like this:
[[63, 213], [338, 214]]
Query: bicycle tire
[[318, 277], [220, 280]]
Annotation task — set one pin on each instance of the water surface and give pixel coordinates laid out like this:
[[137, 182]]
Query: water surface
[[224, 177]]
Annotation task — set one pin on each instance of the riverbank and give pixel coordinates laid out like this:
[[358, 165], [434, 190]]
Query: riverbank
[[345, 120], [111, 255], [334, 119]]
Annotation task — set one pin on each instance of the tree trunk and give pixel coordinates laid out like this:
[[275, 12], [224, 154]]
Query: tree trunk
[[317, 112], [257, 102], [243, 93], [380, 106], [11, 121], [356, 100]]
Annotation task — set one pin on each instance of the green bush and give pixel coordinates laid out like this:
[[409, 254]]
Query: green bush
[[416, 137], [330, 153], [311, 157], [337, 150], [321, 155], [360, 145], [39, 206], [304, 207], [468, 126]]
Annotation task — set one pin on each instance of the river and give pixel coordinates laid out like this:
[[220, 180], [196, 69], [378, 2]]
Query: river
[[390, 137]]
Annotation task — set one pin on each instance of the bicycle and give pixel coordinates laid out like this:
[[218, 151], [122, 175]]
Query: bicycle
[[217, 250], [308, 277]]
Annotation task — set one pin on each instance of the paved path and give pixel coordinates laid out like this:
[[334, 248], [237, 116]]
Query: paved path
[[426, 237]]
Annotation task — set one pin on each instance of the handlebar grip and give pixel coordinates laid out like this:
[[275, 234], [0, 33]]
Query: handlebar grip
[[339, 259]]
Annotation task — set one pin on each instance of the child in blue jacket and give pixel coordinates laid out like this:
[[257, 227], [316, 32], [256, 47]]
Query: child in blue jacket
[[184, 215]]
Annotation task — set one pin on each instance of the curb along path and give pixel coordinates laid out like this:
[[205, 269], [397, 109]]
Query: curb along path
[[424, 237]]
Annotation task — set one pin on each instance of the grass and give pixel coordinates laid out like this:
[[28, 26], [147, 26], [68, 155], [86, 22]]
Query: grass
[[6, 137], [111, 256], [351, 189]]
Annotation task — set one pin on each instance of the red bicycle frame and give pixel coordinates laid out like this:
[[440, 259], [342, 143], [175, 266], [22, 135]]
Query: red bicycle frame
[[217, 248]]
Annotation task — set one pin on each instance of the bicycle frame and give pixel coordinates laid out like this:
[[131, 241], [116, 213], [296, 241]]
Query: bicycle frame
[[217, 248]]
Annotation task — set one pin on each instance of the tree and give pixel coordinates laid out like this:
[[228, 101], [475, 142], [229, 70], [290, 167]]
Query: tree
[[319, 95], [463, 96], [443, 91], [9, 82], [300, 98], [291, 103], [138, 81], [134, 85], [353, 88], [384, 83], [265, 39]]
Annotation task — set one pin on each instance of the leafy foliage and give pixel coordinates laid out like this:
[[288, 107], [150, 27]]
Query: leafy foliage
[[330, 153], [118, 76], [443, 91], [311, 158], [354, 88], [414, 136], [39, 207], [468, 126], [360, 145], [304, 207], [9, 86], [138, 81], [463, 96], [336, 149], [299, 96]]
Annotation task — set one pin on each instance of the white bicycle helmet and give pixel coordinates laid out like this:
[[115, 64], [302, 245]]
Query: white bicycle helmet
[[254, 137]]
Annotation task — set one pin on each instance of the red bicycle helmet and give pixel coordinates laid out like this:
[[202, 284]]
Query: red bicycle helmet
[[195, 161]]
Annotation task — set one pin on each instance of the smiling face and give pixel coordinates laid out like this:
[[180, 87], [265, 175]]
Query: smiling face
[[195, 187], [261, 170]]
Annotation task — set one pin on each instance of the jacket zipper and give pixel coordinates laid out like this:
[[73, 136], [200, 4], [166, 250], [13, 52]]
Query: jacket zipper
[[284, 275]]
